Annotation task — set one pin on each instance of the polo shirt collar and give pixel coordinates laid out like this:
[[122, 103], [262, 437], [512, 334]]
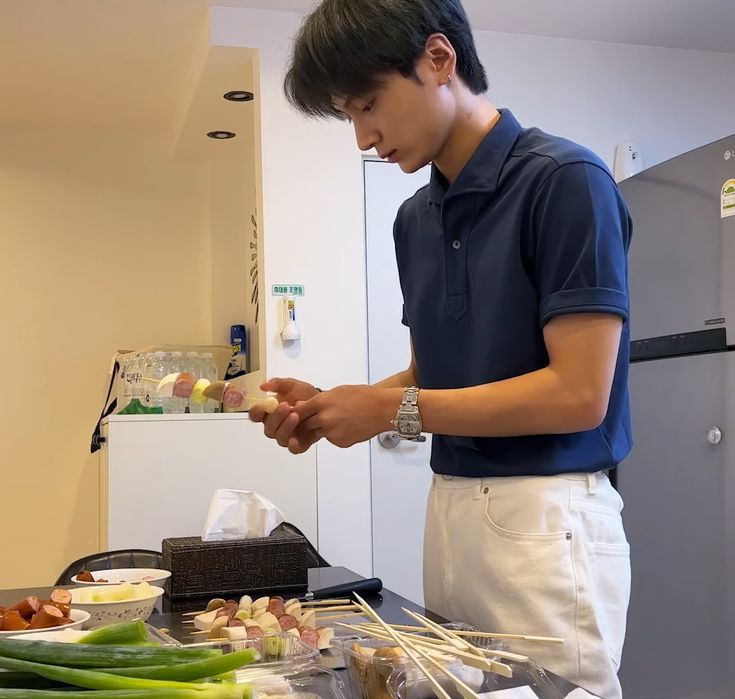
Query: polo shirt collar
[[482, 171]]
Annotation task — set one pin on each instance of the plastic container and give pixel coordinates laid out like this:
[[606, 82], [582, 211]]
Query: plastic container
[[317, 684], [281, 653], [399, 678]]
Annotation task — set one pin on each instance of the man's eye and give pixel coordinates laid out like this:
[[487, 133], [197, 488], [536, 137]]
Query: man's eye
[[369, 107]]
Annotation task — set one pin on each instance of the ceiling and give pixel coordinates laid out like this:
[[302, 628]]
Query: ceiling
[[707, 25], [127, 63], [95, 62]]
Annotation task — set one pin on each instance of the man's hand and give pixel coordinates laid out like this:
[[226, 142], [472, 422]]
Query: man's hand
[[283, 424], [347, 415]]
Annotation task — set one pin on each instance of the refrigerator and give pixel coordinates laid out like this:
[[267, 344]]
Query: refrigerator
[[678, 484]]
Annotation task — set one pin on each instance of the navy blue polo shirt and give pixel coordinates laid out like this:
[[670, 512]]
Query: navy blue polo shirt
[[533, 227]]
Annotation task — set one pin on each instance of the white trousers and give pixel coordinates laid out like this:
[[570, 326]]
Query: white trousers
[[541, 555]]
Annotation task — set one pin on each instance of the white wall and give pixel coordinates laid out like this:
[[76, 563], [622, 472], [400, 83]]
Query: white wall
[[599, 94], [105, 245], [592, 92]]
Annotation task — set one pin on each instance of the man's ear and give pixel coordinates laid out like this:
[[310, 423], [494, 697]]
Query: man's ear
[[442, 56]]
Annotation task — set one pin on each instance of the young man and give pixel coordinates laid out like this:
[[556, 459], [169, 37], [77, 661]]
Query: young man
[[513, 269]]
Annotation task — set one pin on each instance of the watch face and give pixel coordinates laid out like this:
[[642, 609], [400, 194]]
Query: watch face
[[409, 424]]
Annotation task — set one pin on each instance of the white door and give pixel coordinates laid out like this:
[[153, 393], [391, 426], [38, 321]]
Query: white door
[[400, 476]]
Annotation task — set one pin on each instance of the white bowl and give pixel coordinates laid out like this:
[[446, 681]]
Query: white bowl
[[78, 618], [115, 576], [103, 613]]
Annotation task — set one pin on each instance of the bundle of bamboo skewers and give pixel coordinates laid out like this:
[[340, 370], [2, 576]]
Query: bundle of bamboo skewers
[[433, 648]]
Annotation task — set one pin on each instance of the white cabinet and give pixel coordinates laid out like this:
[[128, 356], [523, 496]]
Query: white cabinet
[[158, 474]]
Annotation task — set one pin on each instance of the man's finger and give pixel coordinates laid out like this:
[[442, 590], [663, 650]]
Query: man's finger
[[308, 408], [257, 414], [286, 429], [275, 419], [313, 423], [300, 443], [275, 385]]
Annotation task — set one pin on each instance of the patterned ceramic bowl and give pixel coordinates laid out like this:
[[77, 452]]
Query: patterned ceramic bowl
[[102, 613]]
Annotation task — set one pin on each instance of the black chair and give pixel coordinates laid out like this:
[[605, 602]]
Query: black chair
[[130, 558], [141, 558], [314, 558]]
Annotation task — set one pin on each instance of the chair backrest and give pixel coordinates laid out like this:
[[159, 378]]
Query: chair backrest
[[128, 558], [315, 558]]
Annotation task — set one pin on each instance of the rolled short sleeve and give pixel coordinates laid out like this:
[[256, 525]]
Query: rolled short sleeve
[[399, 259], [582, 235]]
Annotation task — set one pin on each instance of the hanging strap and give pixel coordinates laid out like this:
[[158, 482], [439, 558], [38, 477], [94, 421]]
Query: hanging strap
[[97, 439]]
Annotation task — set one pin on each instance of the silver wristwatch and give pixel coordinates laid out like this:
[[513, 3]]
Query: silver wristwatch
[[408, 418]]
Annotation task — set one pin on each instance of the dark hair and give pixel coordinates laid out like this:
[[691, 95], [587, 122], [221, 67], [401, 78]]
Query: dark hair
[[344, 47]]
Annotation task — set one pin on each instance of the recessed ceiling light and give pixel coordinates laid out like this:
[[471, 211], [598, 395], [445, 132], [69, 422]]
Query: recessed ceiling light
[[239, 96], [221, 135]]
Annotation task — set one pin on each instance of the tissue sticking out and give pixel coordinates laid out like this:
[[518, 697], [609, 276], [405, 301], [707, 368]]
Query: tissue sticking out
[[240, 514]]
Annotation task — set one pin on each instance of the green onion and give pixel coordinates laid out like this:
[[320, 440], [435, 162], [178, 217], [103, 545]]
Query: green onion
[[244, 692], [117, 634], [91, 679], [91, 656], [191, 671], [25, 680]]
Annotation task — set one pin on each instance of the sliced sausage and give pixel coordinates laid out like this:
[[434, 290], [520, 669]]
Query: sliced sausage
[[309, 636], [27, 607], [85, 576], [256, 634], [184, 385], [13, 621], [47, 617], [288, 622], [61, 596], [233, 398], [276, 607], [65, 609]]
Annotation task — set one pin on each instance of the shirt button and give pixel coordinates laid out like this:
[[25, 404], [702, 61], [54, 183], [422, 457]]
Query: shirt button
[[456, 244]]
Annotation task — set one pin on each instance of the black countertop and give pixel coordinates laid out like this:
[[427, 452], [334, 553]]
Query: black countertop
[[168, 614]]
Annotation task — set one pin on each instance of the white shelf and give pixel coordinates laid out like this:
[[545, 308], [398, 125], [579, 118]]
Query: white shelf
[[178, 417]]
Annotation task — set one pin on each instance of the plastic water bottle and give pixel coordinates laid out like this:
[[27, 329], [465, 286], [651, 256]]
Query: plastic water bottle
[[135, 374], [178, 405], [148, 384], [125, 361], [193, 365], [156, 369], [209, 371]]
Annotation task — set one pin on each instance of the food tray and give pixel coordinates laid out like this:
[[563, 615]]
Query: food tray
[[381, 678], [293, 655], [317, 684]]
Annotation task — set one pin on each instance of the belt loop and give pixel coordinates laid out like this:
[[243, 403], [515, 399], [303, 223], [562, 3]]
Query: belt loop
[[591, 483]]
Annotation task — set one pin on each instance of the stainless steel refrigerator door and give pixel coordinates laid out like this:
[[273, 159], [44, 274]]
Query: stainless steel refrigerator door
[[678, 486], [682, 258]]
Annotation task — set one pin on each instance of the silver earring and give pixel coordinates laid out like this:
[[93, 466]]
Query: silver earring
[[449, 78]]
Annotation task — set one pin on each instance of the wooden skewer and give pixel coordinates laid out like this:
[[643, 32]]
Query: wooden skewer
[[438, 689], [488, 634], [346, 615], [464, 689], [440, 631], [320, 602], [478, 661], [328, 603], [338, 608], [440, 645]]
